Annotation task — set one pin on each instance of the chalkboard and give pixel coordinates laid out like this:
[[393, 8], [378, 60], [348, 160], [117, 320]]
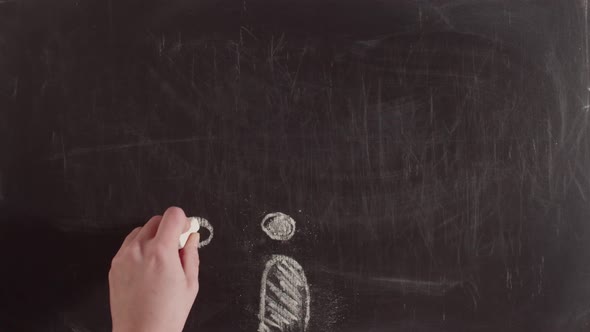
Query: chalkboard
[[407, 165]]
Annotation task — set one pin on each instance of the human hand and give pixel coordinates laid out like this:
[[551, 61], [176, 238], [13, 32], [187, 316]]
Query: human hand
[[152, 284]]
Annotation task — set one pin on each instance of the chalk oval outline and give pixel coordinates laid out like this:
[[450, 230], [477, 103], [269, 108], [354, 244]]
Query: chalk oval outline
[[284, 231]]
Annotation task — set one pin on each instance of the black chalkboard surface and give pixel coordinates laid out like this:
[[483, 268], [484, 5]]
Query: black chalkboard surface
[[431, 158]]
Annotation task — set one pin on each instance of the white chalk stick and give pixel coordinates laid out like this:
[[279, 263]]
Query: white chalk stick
[[194, 228]]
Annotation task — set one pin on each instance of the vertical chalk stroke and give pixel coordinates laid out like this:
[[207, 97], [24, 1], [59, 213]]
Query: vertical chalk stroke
[[278, 226], [284, 297]]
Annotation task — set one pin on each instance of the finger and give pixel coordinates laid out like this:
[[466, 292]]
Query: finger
[[173, 223], [130, 237], [189, 256], [149, 230]]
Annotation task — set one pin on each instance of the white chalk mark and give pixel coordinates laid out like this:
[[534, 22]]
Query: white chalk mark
[[286, 315], [279, 318], [284, 296], [291, 291], [290, 298], [271, 322], [290, 275], [295, 274], [204, 223], [278, 226]]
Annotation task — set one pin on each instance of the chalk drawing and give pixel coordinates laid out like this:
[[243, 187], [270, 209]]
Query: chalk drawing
[[284, 296], [204, 223], [278, 226]]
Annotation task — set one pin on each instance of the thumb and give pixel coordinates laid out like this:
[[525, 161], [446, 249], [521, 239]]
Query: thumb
[[189, 257]]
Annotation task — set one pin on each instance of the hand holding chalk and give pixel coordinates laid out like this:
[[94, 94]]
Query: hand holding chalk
[[152, 285], [195, 224], [194, 228]]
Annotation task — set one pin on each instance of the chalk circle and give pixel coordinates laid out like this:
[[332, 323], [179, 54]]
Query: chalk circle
[[204, 223], [278, 226]]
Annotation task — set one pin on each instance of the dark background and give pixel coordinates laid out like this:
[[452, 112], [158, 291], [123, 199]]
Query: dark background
[[434, 154]]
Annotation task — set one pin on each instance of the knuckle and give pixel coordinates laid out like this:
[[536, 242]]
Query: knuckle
[[128, 254], [158, 252]]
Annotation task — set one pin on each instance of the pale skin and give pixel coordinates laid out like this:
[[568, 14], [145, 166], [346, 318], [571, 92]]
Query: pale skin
[[152, 284]]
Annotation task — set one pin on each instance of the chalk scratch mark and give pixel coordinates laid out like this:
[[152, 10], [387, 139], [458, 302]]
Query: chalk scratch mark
[[427, 287], [125, 146], [413, 286]]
